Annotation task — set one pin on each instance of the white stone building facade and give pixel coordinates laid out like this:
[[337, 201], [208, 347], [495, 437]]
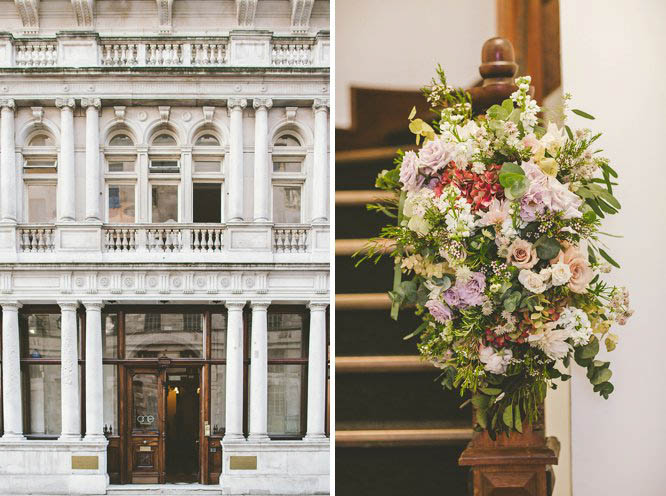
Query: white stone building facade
[[164, 245]]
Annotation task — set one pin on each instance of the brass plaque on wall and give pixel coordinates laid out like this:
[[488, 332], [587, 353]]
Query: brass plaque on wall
[[85, 462], [243, 462], [145, 448]]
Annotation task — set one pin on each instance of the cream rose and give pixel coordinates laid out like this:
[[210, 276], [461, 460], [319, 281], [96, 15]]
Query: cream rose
[[560, 274], [581, 273], [522, 254], [532, 281]]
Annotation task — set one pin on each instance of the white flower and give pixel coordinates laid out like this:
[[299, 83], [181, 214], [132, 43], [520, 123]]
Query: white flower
[[487, 307], [554, 139], [463, 274], [560, 273], [553, 342], [495, 362], [478, 167], [536, 283], [577, 325]]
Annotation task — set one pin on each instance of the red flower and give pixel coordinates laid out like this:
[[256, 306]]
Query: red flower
[[478, 189]]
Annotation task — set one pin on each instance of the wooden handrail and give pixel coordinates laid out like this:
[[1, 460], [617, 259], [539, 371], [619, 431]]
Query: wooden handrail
[[362, 301], [361, 197], [382, 364], [368, 154], [347, 247], [401, 437]]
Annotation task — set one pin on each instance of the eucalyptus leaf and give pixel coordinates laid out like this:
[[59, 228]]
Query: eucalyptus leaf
[[582, 114], [547, 248], [507, 416]]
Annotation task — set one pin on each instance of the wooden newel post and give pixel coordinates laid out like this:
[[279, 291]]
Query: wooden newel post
[[514, 465]]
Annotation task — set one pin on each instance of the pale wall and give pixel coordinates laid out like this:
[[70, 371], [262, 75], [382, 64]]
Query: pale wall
[[611, 54], [396, 44]]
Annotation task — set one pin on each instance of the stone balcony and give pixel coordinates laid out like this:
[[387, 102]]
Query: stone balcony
[[238, 49], [237, 242]]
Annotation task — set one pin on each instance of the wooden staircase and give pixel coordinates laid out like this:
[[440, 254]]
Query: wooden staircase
[[398, 431]]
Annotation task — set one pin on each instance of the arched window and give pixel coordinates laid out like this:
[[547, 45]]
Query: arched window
[[164, 139], [287, 140], [40, 178], [121, 140], [288, 157], [121, 190], [41, 139], [207, 140], [207, 179]]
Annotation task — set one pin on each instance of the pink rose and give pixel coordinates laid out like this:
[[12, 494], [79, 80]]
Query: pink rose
[[522, 254], [581, 273], [435, 155]]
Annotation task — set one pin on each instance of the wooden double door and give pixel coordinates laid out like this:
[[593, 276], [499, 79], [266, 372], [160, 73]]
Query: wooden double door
[[164, 433]]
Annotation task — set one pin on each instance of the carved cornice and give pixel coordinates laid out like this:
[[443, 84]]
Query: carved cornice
[[63, 103], [28, 10], [245, 11], [164, 15], [85, 12], [91, 102], [301, 10], [321, 104], [265, 103]]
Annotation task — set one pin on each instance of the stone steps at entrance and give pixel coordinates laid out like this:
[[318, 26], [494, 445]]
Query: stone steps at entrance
[[163, 489]]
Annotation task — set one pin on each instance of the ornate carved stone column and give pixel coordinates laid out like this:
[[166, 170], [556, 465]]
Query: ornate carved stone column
[[11, 373], [69, 373], [259, 372], [66, 165], [234, 397], [8, 162], [235, 107], [317, 365], [93, 172], [262, 174], [320, 170], [94, 372]]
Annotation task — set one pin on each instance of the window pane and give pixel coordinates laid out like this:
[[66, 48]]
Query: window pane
[[144, 402], [285, 393], [41, 399], [287, 140], [286, 166], [42, 140], [176, 335], [41, 202], [165, 203], [121, 203], [207, 140], [164, 140], [121, 166], [121, 140], [42, 335], [287, 204], [217, 398], [207, 166], [164, 166], [111, 399], [206, 205], [219, 335], [43, 166], [110, 335], [285, 335]]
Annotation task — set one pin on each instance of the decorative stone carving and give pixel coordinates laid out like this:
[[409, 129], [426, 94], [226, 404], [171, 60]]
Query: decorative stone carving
[[208, 113], [85, 11], [290, 113], [301, 10], [164, 15], [28, 10], [321, 104], [120, 111], [233, 103], [37, 114], [165, 111], [91, 102], [245, 11], [266, 103], [65, 102], [7, 103]]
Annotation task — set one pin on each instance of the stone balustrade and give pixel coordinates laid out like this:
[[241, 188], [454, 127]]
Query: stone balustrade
[[166, 51], [290, 239], [36, 238]]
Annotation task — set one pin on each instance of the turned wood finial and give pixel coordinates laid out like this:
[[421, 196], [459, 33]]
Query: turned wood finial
[[498, 69], [497, 61]]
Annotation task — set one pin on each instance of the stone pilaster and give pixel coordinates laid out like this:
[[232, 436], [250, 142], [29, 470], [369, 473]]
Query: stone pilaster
[[69, 373], [236, 159], [11, 373], [259, 372], [317, 359], [234, 394], [321, 166], [66, 165], [262, 174], [93, 172]]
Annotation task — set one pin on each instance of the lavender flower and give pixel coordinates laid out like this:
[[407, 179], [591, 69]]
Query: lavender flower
[[468, 294], [435, 155], [439, 311], [409, 173]]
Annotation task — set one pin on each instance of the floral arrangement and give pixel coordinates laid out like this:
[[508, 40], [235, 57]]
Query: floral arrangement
[[497, 245]]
